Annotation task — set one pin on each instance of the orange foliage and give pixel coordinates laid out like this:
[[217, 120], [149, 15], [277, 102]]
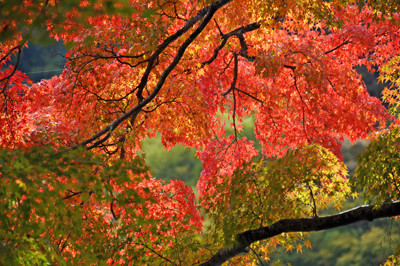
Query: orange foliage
[[172, 68]]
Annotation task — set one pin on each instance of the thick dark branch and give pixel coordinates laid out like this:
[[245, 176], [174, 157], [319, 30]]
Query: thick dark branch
[[72, 194], [238, 33], [243, 45], [245, 239], [244, 29], [189, 24], [290, 67], [337, 47], [142, 103], [216, 51]]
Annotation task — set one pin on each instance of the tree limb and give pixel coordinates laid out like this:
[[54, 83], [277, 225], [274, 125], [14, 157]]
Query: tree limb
[[239, 34], [204, 16], [245, 239]]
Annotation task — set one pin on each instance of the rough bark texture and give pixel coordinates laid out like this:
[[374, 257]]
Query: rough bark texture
[[357, 214]]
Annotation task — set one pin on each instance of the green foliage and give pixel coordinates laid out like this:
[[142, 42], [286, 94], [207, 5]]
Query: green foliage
[[177, 163], [390, 76], [344, 246], [377, 173], [382, 7], [297, 185], [34, 19], [363, 243], [44, 193]]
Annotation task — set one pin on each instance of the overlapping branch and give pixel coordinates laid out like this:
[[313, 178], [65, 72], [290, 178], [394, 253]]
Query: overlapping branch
[[204, 15], [239, 34]]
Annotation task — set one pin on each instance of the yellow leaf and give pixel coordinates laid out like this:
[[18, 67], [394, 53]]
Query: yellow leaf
[[289, 247], [21, 184]]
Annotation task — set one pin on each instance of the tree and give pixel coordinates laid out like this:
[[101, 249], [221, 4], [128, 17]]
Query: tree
[[74, 187]]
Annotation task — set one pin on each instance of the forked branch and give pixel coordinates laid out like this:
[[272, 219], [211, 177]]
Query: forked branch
[[204, 15]]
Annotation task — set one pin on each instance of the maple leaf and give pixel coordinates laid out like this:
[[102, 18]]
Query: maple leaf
[[307, 243], [289, 247], [74, 184], [299, 248]]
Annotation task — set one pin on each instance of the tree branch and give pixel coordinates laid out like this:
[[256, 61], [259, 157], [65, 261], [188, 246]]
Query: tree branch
[[7, 78], [200, 15], [207, 13], [239, 34], [245, 239], [337, 47]]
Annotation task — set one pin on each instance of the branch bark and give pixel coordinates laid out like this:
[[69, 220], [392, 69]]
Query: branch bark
[[204, 16], [239, 32], [245, 239]]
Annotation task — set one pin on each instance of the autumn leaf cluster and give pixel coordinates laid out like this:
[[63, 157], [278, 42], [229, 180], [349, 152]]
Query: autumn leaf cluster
[[74, 186]]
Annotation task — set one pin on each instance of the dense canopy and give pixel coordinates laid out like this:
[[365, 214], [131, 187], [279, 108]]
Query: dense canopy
[[74, 187]]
